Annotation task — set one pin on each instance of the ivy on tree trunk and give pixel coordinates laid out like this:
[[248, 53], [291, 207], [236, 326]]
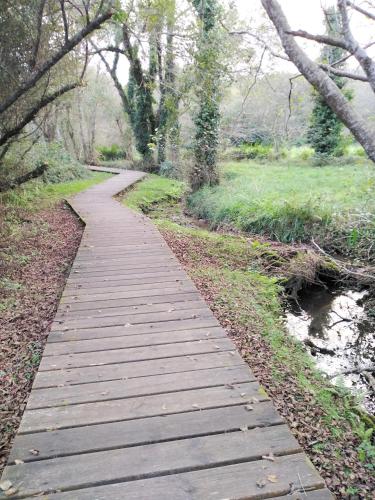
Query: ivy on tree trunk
[[207, 119]]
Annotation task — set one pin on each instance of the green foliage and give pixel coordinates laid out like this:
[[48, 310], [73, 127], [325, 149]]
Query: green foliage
[[324, 134], [141, 113], [335, 205], [110, 153], [62, 167], [325, 131], [35, 194], [153, 190], [253, 151], [167, 169], [208, 75]]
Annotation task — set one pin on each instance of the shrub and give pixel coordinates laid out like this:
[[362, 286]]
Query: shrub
[[167, 169], [62, 167], [113, 152]]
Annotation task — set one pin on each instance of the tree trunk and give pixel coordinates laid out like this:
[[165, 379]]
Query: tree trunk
[[320, 80]]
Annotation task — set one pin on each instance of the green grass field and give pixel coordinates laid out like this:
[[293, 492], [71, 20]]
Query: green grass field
[[334, 204], [37, 195]]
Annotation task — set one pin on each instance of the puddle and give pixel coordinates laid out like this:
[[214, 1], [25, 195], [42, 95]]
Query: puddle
[[336, 323]]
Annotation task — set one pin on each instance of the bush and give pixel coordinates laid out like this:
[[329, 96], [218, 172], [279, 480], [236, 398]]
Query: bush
[[113, 152], [62, 167], [167, 169]]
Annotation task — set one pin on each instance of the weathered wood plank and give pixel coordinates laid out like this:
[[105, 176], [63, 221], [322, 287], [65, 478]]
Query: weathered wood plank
[[125, 341], [132, 354], [118, 311], [144, 386], [128, 294], [143, 431], [133, 319], [133, 301], [138, 407], [231, 482], [139, 462], [118, 371]]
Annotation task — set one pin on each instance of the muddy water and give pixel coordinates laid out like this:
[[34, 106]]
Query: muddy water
[[336, 323]]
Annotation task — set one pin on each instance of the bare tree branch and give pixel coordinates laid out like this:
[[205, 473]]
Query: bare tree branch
[[65, 21], [65, 49], [344, 74], [33, 112], [39, 33], [326, 39], [116, 81], [363, 11], [367, 64]]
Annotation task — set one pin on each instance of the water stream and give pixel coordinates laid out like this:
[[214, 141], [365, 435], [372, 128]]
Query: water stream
[[339, 334]]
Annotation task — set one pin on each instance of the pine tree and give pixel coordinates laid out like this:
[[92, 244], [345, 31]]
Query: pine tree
[[325, 131]]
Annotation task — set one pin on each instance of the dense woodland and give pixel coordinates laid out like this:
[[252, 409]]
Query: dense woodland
[[258, 138]]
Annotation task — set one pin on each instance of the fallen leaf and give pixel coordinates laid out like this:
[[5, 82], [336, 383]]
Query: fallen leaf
[[261, 483], [272, 478], [34, 452], [249, 408], [18, 462], [244, 429]]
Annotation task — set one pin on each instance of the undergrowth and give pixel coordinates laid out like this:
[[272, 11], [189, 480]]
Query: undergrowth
[[290, 203]]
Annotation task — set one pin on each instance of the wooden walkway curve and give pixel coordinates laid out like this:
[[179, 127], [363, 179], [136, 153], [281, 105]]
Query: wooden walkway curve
[[140, 394]]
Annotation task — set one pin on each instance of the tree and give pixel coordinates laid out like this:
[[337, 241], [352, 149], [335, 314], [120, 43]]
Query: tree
[[149, 96], [318, 75], [204, 171], [325, 131], [35, 65]]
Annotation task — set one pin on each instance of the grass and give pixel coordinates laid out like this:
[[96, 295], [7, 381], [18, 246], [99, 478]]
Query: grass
[[37, 195], [154, 190], [334, 204], [233, 274]]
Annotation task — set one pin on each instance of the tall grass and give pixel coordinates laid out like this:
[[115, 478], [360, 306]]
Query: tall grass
[[291, 203]]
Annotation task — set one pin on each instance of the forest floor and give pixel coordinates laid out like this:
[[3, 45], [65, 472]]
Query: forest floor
[[240, 279], [39, 237]]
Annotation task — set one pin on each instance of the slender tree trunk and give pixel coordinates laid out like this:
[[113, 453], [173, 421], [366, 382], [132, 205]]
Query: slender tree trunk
[[320, 80]]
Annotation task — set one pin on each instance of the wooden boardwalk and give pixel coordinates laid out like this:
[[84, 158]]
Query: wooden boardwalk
[[140, 395]]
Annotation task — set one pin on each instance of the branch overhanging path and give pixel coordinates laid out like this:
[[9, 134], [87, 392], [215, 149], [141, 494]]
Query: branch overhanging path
[[140, 394]]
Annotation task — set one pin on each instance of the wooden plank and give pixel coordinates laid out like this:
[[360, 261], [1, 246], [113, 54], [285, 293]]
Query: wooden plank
[[137, 369], [132, 319], [127, 276], [126, 341], [119, 287], [114, 435], [129, 294], [138, 407], [175, 277], [133, 301], [144, 386], [119, 331], [129, 355], [139, 462], [118, 311], [231, 482]]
